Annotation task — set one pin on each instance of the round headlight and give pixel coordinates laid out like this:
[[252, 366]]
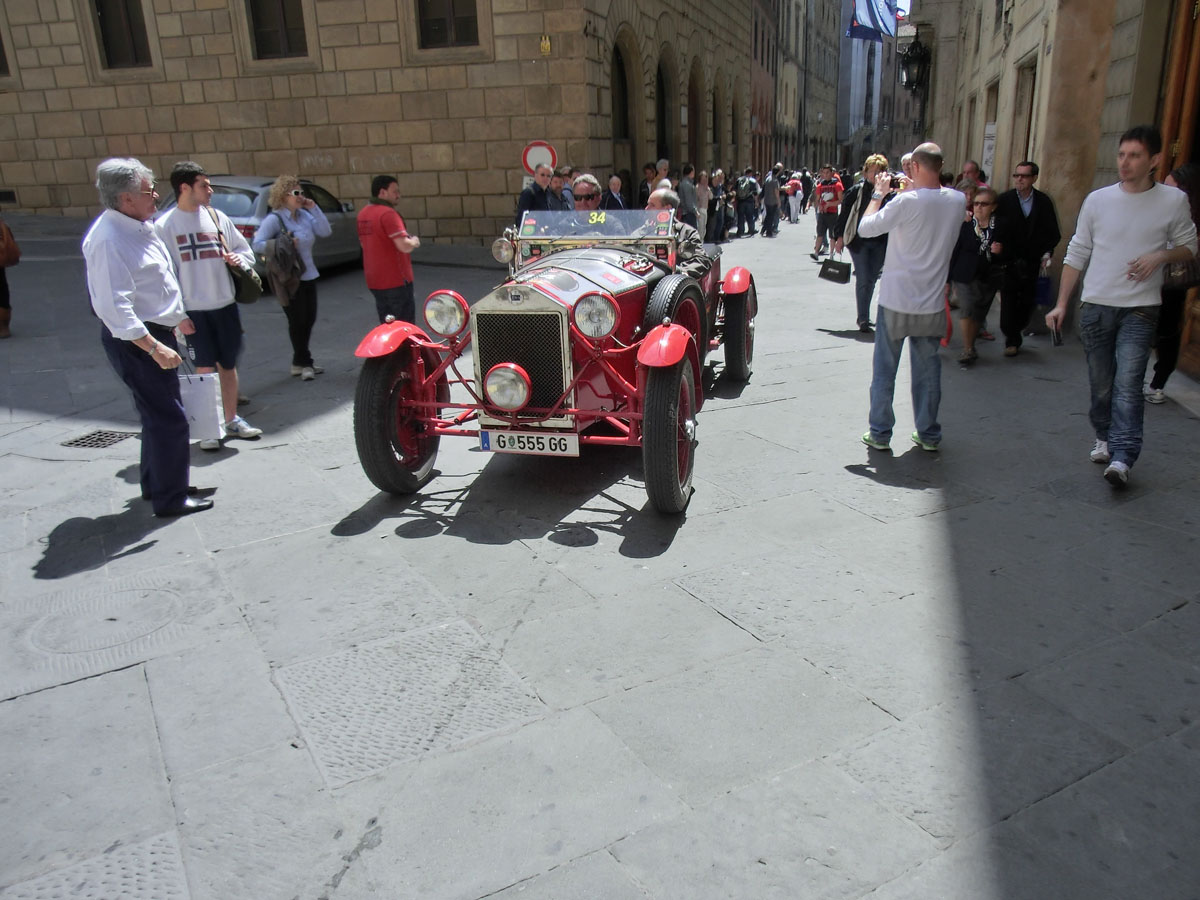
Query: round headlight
[[507, 386], [596, 315], [446, 313], [502, 250]]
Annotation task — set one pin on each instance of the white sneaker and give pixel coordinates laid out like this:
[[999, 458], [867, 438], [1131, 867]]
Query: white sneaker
[[1117, 474], [308, 373], [239, 427], [300, 370], [1155, 396], [211, 444], [1099, 452]]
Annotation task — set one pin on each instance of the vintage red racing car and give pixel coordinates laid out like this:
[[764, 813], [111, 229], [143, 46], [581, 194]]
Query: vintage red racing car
[[595, 337]]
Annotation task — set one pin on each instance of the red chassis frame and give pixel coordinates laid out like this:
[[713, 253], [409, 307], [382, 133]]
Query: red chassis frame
[[663, 346]]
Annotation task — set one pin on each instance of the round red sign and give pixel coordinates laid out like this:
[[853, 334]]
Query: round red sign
[[538, 153]]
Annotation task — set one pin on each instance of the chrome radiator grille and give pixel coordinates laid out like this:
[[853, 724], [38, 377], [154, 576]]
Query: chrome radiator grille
[[534, 341]]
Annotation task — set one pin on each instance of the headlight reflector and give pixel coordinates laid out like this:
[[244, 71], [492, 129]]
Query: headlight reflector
[[596, 315], [502, 250], [447, 313], [507, 386]]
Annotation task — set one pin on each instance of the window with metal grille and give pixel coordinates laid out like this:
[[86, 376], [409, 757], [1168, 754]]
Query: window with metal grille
[[447, 23], [122, 32], [278, 28]]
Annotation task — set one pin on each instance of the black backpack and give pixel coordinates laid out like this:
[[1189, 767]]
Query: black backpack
[[745, 190]]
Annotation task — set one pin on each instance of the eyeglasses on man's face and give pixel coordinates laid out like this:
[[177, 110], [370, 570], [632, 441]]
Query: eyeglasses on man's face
[[586, 196], [983, 203], [1022, 174]]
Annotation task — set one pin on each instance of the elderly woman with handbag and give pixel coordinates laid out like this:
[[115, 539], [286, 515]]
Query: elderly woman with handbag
[[297, 218]]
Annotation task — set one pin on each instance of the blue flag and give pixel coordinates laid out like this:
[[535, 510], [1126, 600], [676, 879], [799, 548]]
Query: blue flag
[[872, 19]]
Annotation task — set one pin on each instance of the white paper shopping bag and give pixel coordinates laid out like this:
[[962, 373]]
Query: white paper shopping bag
[[201, 395]]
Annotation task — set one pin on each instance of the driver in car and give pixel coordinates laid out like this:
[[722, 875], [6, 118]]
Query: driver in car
[[690, 257]]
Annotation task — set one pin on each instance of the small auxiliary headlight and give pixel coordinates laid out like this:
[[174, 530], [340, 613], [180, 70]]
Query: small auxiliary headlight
[[502, 250], [507, 386], [446, 313], [596, 315]]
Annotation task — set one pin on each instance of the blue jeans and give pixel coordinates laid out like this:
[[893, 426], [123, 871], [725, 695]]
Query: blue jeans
[[745, 216], [926, 383], [1118, 341], [868, 263]]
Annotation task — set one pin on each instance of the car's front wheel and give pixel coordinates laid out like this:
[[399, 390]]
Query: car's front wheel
[[396, 448], [739, 334], [669, 436]]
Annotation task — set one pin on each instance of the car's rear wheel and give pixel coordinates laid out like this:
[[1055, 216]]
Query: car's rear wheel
[[678, 298], [669, 436], [396, 449], [739, 334]]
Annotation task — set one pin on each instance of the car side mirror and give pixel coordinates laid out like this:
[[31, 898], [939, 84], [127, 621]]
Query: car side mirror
[[347, 206]]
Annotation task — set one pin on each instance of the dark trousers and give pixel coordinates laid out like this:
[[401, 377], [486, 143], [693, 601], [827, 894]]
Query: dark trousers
[[771, 221], [4, 302], [164, 464], [745, 213], [690, 219], [1166, 341], [397, 302], [301, 314], [1018, 294]]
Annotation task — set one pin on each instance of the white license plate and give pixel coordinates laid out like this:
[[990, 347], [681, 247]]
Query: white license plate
[[531, 442]]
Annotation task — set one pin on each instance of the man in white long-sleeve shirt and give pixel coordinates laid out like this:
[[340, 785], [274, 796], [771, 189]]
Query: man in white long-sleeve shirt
[[133, 290], [1124, 236], [204, 245], [922, 225]]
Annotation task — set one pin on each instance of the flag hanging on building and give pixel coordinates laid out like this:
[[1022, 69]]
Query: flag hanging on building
[[872, 20]]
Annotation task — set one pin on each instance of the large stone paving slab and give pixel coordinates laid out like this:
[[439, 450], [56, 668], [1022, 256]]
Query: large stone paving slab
[[610, 645], [712, 730], [597, 875], [146, 870], [974, 761], [810, 832], [365, 709], [80, 770], [309, 593], [462, 825], [71, 634]]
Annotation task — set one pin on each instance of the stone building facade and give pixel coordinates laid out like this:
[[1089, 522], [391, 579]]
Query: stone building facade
[[1058, 82], [341, 90], [822, 51]]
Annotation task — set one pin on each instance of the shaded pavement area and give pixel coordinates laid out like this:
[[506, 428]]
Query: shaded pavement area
[[841, 674]]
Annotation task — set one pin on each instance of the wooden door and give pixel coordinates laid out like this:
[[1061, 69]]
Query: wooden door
[[1181, 143]]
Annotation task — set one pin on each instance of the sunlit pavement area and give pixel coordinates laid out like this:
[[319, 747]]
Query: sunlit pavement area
[[842, 674]]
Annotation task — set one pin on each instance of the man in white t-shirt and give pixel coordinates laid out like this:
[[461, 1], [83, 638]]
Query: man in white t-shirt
[[193, 232], [922, 224], [1122, 238]]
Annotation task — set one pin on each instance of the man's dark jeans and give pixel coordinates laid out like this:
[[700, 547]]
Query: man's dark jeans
[[771, 221], [745, 211], [1118, 341], [397, 302]]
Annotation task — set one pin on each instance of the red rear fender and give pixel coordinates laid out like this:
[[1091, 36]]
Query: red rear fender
[[737, 280], [665, 345], [383, 340]]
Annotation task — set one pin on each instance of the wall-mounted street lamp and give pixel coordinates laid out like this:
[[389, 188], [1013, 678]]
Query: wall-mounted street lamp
[[914, 65]]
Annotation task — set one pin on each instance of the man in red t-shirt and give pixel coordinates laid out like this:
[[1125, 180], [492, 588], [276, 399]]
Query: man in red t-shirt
[[386, 246], [827, 195]]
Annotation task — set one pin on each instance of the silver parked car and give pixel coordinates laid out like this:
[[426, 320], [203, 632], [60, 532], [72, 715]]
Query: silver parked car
[[244, 199]]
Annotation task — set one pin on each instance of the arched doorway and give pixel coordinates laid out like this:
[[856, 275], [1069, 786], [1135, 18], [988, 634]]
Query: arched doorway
[[719, 118], [622, 119], [666, 110]]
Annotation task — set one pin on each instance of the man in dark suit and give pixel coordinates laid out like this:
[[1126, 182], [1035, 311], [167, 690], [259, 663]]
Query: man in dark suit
[[612, 198], [535, 196], [1028, 232]]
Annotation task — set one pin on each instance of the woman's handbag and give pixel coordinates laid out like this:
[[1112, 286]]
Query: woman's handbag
[[247, 286], [10, 252], [836, 271], [1181, 276]]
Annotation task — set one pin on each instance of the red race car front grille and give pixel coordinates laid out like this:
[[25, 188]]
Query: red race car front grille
[[531, 340]]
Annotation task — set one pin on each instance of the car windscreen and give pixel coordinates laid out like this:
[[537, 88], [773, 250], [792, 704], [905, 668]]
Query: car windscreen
[[608, 223], [234, 202]]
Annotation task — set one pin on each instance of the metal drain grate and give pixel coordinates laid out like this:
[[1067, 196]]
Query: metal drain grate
[[98, 439]]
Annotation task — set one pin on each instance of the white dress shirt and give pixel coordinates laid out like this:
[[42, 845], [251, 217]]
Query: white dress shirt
[[130, 276]]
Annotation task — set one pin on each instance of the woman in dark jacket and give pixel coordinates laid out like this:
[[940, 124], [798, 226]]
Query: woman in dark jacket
[[1170, 316], [975, 269], [867, 253]]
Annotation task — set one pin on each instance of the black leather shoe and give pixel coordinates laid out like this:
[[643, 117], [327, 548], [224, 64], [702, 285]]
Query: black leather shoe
[[193, 491], [189, 506]]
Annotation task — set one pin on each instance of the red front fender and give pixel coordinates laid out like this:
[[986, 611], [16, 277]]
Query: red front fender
[[385, 338], [664, 346], [737, 280]]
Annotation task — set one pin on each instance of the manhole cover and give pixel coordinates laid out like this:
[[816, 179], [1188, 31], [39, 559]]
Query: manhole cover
[[99, 439], [98, 623]]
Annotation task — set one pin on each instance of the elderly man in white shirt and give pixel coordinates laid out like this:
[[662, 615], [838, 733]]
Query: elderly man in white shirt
[[134, 292], [922, 226]]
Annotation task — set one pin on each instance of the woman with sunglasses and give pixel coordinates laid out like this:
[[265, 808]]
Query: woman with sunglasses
[[300, 219]]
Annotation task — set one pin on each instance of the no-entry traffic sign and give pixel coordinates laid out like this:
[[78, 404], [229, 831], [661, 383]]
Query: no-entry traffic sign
[[538, 153]]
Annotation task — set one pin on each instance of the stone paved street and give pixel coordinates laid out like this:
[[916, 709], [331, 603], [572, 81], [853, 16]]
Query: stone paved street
[[842, 674]]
